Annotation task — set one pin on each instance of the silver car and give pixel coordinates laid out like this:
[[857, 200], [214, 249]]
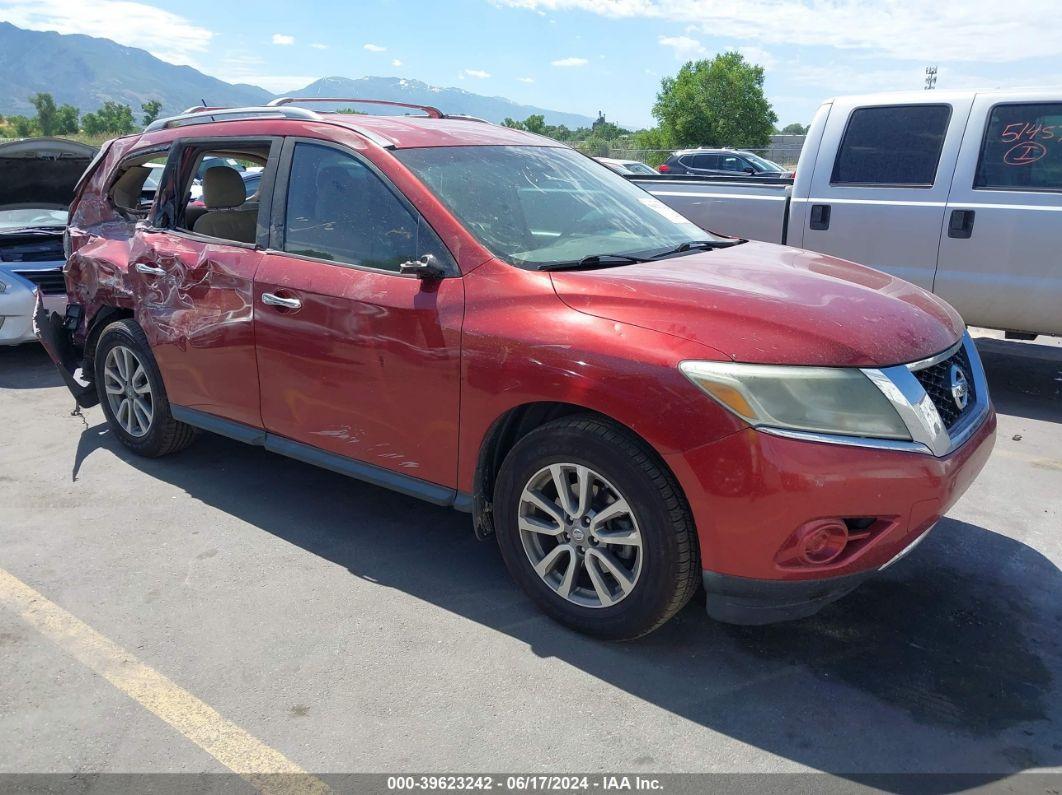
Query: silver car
[[37, 178]]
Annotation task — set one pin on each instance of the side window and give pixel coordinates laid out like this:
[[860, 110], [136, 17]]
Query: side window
[[893, 145], [218, 194], [339, 209], [133, 191], [731, 163], [704, 161], [1022, 148]]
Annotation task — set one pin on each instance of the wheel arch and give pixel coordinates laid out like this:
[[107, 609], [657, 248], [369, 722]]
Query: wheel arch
[[103, 318], [508, 429]]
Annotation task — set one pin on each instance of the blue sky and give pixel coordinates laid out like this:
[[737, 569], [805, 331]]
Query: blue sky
[[586, 55]]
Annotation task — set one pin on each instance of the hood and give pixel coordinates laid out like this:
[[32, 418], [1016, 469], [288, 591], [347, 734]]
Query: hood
[[41, 172], [770, 304]]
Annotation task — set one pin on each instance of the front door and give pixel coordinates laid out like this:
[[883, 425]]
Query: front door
[[356, 359], [1000, 264]]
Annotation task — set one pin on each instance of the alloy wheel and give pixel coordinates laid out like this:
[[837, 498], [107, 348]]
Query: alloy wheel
[[128, 390], [580, 534]]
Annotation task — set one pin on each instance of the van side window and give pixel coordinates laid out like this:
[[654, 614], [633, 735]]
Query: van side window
[[339, 209], [1022, 148], [896, 145]]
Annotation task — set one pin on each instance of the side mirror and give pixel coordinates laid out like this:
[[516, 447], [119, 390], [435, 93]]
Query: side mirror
[[749, 170], [426, 267]]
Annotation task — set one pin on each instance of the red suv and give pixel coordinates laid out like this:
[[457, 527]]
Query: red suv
[[487, 319]]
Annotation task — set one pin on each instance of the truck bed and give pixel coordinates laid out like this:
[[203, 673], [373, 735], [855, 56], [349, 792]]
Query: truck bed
[[756, 208]]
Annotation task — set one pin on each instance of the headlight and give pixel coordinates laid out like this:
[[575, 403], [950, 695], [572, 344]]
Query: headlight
[[818, 399]]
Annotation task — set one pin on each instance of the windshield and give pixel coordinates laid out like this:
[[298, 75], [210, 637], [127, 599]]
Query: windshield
[[761, 163], [32, 217], [539, 205]]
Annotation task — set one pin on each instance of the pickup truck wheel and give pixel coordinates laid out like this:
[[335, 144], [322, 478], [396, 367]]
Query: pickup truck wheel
[[595, 529], [132, 394]]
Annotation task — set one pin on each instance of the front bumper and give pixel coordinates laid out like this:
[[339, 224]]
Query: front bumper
[[749, 492]]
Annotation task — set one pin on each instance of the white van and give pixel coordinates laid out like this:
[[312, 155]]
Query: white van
[[958, 192]]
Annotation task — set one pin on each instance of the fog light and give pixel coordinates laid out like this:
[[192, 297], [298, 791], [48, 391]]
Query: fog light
[[822, 542]]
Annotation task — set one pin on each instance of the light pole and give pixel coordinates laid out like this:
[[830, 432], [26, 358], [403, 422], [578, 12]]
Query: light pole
[[931, 78]]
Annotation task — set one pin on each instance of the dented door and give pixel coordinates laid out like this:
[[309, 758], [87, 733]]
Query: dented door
[[194, 302]]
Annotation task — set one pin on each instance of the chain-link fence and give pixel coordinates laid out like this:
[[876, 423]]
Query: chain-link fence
[[784, 150]]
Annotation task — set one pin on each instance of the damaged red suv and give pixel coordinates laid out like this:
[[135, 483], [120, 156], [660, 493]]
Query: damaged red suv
[[489, 320]]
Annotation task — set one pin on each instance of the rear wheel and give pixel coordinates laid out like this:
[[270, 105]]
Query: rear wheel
[[132, 394], [595, 529]]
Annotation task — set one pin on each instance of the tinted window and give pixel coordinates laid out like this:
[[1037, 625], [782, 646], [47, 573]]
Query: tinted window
[[731, 163], [338, 209], [701, 161], [1022, 149], [896, 145]]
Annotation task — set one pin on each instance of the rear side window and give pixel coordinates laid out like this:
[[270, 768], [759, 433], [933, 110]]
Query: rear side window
[[702, 161], [339, 209], [892, 145], [1022, 148]]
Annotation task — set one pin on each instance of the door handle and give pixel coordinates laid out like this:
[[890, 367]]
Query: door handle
[[149, 269], [960, 224], [278, 300], [820, 216]]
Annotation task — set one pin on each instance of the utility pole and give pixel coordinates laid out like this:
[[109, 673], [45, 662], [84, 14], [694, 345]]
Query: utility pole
[[931, 77]]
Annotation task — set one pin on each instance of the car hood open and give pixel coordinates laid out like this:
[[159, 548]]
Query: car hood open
[[771, 304], [41, 172]]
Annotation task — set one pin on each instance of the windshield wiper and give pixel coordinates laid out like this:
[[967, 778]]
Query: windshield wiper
[[593, 261], [697, 245]]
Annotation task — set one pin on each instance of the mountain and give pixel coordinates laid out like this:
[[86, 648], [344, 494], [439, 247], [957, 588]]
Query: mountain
[[448, 100], [84, 71]]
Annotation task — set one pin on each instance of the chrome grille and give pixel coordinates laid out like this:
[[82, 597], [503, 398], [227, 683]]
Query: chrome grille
[[936, 380]]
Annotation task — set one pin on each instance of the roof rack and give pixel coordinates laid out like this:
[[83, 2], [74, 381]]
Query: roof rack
[[208, 115], [433, 113]]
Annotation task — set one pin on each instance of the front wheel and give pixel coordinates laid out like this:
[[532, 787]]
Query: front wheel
[[595, 529], [132, 394]]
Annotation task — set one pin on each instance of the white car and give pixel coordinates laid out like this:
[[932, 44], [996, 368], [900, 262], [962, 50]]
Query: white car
[[37, 178], [625, 166]]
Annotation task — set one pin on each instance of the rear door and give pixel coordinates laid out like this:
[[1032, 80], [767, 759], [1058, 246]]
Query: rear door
[[1000, 258], [879, 200], [358, 361], [194, 288]]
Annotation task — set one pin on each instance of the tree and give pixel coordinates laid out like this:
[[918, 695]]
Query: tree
[[113, 119], [66, 120], [715, 103], [796, 128], [152, 108], [46, 112], [24, 127]]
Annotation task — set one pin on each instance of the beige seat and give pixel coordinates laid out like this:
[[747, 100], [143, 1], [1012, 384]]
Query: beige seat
[[227, 215]]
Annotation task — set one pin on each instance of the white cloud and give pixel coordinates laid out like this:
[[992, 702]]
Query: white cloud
[[684, 46], [375, 48], [526, 79], [570, 62], [283, 39], [946, 30], [396, 62], [319, 46], [165, 35], [479, 74]]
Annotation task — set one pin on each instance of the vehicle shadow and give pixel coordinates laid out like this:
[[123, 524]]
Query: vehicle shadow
[[1025, 379], [949, 660], [27, 367]]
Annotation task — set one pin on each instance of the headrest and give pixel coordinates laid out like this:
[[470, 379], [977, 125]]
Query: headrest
[[223, 188]]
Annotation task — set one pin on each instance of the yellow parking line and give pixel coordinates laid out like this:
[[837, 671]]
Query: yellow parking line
[[265, 768]]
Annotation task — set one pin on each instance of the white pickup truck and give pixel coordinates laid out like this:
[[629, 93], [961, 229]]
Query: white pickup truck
[[958, 192]]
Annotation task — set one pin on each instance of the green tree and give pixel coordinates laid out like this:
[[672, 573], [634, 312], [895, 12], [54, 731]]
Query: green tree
[[796, 128], [715, 103], [23, 127], [112, 119], [46, 113], [152, 108], [66, 120]]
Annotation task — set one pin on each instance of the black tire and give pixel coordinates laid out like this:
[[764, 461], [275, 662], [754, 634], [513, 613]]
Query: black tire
[[164, 435], [670, 571]]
